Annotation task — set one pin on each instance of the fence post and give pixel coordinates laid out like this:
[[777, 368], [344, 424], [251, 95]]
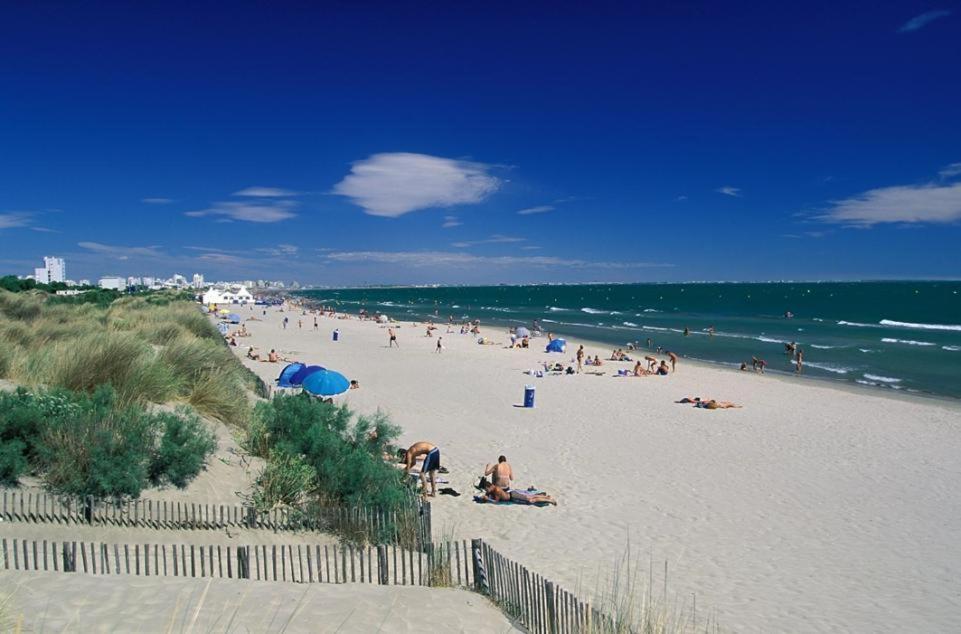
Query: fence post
[[480, 573], [382, 565], [551, 607]]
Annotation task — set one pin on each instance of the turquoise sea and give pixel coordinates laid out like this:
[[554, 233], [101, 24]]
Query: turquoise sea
[[893, 335]]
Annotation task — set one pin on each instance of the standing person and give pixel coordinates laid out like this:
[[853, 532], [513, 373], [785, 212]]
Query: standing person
[[501, 473], [687, 331], [393, 338], [710, 330], [431, 463], [673, 358], [580, 358], [315, 322], [650, 343], [285, 323], [440, 345], [300, 324], [758, 364], [799, 361]]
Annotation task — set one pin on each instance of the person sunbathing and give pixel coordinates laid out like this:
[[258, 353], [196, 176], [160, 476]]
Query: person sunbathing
[[712, 404], [501, 473], [273, 357], [531, 497], [597, 360], [492, 492], [663, 369], [253, 354], [639, 371]]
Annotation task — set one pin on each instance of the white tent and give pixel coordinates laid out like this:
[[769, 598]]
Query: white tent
[[230, 295]]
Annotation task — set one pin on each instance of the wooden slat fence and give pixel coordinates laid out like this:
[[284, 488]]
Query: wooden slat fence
[[299, 563], [536, 603], [378, 526]]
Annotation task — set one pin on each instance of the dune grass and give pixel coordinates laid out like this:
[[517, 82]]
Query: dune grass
[[154, 348]]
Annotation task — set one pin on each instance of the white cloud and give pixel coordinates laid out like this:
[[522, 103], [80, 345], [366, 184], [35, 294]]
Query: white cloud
[[466, 260], [920, 21], [156, 201], [727, 190], [280, 250], [450, 222], [913, 204], [681, 198], [494, 239], [950, 171], [539, 209], [121, 253], [265, 192], [393, 184], [268, 211], [15, 220]]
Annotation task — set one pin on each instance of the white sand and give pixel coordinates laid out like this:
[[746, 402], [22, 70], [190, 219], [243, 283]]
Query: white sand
[[814, 508], [52, 602]]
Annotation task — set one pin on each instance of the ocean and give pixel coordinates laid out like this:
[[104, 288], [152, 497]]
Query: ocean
[[903, 335]]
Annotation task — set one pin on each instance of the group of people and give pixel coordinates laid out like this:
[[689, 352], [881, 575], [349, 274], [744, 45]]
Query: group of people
[[500, 487]]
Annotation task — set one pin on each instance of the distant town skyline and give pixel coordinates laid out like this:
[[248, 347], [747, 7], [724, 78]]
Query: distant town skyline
[[368, 144]]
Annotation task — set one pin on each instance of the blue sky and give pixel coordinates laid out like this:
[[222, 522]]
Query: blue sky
[[406, 143]]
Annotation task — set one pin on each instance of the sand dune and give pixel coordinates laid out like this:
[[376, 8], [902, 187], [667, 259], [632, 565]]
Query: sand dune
[[814, 508]]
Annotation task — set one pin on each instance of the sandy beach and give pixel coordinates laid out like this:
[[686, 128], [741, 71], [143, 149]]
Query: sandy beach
[[814, 508]]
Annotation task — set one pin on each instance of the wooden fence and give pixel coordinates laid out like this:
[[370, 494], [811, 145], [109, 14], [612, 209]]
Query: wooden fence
[[447, 564], [408, 526], [536, 603]]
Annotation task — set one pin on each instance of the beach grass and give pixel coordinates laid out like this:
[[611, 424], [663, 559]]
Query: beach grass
[[151, 349]]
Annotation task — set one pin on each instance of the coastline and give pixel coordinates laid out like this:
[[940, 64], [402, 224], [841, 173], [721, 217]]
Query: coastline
[[768, 514]]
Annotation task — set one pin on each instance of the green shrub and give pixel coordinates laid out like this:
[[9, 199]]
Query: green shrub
[[184, 446], [90, 444], [346, 458], [286, 480]]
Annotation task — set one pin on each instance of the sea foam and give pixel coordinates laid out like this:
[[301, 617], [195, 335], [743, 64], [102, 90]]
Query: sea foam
[[906, 324], [910, 342]]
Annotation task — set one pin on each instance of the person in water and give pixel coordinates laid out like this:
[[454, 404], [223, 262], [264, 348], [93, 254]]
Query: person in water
[[799, 361], [431, 464]]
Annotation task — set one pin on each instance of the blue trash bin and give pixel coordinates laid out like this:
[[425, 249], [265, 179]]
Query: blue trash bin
[[336, 335], [528, 396]]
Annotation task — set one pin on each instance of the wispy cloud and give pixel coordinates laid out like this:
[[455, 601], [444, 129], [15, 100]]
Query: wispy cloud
[[450, 222], [265, 192], [45, 230], [121, 252], [494, 239], [909, 204], [681, 198], [157, 201], [727, 190], [921, 21], [394, 184], [15, 220], [465, 260], [281, 250], [539, 209], [950, 171], [805, 234], [268, 211]]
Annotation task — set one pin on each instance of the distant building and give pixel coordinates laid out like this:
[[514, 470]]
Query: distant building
[[134, 281], [83, 283], [198, 281], [113, 282], [237, 294], [149, 281], [54, 270]]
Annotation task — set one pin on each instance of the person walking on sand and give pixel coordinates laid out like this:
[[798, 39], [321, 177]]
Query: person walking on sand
[[285, 323], [440, 345], [315, 322], [501, 473], [673, 358], [580, 358], [431, 464], [393, 338]]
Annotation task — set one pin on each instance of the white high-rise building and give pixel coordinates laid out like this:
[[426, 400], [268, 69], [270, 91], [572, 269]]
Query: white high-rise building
[[198, 281], [54, 270], [113, 282]]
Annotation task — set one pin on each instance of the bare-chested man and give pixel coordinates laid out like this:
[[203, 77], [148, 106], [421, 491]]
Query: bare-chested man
[[501, 473], [673, 358], [431, 463], [393, 338]]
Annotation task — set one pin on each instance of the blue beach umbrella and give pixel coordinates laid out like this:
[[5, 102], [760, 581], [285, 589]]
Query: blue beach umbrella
[[522, 332], [223, 328], [326, 383], [284, 380], [298, 377], [233, 318], [556, 345]]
